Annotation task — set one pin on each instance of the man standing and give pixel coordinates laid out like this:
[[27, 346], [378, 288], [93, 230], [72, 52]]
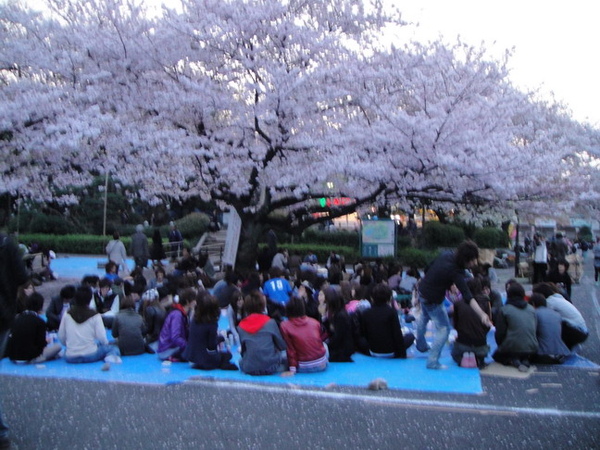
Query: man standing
[[12, 275], [139, 247], [448, 269], [176, 241]]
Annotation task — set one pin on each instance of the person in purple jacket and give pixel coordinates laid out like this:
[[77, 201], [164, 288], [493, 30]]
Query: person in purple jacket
[[174, 333]]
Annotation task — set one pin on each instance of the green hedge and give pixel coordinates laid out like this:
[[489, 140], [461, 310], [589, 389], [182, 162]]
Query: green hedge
[[414, 257], [436, 234], [490, 237], [79, 244]]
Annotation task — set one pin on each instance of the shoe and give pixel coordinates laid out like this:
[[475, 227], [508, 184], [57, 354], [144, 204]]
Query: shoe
[[105, 367], [437, 366], [113, 359], [425, 350], [408, 318], [229, 366]]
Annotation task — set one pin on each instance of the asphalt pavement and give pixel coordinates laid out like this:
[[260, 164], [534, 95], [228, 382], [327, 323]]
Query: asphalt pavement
[[556, 407]]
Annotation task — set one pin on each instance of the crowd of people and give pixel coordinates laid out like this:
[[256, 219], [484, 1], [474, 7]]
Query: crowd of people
[[297, 316], [293, 316]]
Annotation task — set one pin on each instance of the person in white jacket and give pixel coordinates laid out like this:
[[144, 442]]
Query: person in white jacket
[[115, 250], [83, 334]]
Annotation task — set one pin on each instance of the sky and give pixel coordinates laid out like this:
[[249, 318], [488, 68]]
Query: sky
[[555, 42]]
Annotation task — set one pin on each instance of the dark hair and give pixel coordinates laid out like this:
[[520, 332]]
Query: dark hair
[[207, 308], [159, 269], [333, 300], [346, 291], [562, 262], [485, 282], [275, 272], [104, 282], [466, 252], [509, 282], [475, 286], [116, 235], [546, 289], [35, 302], [83, 296], [381, 294], [90, 280], [187, 296], [110, 265], [537, 300], [515, 290], [126, 302], [255, 303], [67, 291], [295, 307]]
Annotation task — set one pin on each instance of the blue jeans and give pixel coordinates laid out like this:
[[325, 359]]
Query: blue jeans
[[438, 315], [3, 339], [102, 352]]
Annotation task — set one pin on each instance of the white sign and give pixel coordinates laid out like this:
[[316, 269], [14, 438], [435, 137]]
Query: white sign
[[234, 228]]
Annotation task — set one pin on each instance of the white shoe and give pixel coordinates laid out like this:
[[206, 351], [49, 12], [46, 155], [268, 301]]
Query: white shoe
[[114, 359]]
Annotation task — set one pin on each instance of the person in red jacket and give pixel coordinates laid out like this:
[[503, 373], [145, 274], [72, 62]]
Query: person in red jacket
[[302, 334]]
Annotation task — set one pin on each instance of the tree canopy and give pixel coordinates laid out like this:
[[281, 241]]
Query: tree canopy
[[268, 105]]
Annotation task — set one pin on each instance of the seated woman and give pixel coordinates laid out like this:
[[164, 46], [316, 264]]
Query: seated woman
[[174, 333], [82, 332], [305, 349], [380, 327], [27, 341], [471, 332], [111, 269], [551, 348], [154, 312], [262, 347], [516, 330], [339, 333], [202, 350]]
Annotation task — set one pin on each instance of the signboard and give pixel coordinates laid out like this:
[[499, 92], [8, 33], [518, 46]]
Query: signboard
[[234, 228], [378, 238]]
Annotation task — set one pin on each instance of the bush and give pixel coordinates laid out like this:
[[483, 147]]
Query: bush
[[436, 235], [410, 257], [490, 237], [350, 254], [403, 241], [192, 226], [37, 222]]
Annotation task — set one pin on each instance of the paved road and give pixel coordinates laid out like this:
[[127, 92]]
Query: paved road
[[557, 407]]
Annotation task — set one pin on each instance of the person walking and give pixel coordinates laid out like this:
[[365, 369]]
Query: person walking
[[449, 268], [139, 247], [12, 274], [115, 250]]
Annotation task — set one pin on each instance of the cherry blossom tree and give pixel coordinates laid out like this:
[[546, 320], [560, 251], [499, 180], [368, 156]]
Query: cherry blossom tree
[[266, 106]]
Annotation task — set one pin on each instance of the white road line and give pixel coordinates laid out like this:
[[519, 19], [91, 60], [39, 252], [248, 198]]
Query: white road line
[[404, 402]]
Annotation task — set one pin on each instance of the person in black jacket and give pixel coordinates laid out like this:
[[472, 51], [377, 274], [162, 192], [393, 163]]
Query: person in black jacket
[[27, 341], [380, 327], [337, 323], [12, 274], [448, 269], [59, 305]]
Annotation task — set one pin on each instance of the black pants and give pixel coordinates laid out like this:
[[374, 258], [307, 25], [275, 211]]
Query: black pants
[[572, 336], [539, 272]]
